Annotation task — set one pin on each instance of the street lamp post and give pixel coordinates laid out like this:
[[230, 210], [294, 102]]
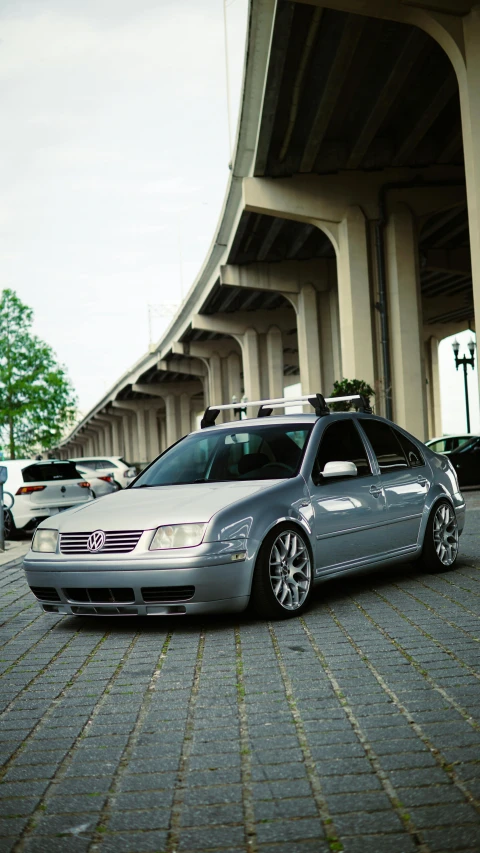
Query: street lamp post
[[241, 409], [465, 362]]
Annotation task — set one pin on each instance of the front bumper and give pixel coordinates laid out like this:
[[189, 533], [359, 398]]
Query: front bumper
[[219, 588]]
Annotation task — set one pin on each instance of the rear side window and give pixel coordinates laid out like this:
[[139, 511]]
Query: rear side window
[[414, 457], [439, 446], [43, 472], [386, 446]]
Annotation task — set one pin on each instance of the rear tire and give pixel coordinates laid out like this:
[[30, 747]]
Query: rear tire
[[440, 545], [283, 577]]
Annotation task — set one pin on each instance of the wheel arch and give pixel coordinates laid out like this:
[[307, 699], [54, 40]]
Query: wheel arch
[[438, 495], [302, 528]]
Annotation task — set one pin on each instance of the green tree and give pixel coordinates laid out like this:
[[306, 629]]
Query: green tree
[[347, 387], [37, 401]]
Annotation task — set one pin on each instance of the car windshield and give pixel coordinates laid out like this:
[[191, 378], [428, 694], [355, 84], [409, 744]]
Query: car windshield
[[244, 453]]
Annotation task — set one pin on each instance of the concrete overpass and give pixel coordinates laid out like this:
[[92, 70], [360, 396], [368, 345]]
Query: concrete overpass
[[349, 241]]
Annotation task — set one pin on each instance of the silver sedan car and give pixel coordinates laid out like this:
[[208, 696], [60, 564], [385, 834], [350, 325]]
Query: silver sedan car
[[257, 510]]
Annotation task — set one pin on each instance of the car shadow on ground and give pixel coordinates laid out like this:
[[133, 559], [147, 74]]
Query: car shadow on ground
[[325, 594]]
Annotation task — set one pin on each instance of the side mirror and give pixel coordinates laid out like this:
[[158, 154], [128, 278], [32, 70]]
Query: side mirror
[[340, 469]]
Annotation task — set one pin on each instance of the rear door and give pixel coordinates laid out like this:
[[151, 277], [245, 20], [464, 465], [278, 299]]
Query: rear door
[[405, 478], [349, 511], [54, 485]]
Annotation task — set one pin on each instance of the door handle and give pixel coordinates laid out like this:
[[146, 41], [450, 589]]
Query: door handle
[[376, 491], [422, 480]]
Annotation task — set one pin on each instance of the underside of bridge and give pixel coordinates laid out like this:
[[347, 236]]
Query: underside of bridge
[[349, 252]]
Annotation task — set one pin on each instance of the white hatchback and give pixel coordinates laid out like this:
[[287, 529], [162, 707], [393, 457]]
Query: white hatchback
[[121, 471], [41, 489]]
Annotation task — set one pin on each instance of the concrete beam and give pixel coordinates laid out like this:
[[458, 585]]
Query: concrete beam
[[162, 389], [324, 200], [440, 306], [447, 260], [286, 277], [335, 79], [191, 366], [237, 323], [204, 349]]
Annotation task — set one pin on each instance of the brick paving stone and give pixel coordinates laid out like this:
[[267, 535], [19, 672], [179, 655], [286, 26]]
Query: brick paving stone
[[324, 731], [135, 842]]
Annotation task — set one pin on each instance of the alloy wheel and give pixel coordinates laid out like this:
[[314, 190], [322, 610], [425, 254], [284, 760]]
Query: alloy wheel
[[445, 534], [290, 570]]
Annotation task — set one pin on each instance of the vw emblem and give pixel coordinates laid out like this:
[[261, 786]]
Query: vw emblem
[[96, 541]]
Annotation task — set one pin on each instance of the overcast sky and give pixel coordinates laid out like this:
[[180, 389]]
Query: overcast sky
[[115, 163]]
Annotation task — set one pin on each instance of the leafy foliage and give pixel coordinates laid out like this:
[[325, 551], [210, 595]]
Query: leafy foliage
[[347, 387], [37, 401]]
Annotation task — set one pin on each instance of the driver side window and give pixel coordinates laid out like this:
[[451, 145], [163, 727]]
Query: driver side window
[[341, 442]]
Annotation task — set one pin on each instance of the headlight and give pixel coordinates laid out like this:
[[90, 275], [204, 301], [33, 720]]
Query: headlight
[[177, 536], [45, 540]]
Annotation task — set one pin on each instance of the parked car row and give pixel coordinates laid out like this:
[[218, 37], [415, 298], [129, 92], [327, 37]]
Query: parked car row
[[44, 488]]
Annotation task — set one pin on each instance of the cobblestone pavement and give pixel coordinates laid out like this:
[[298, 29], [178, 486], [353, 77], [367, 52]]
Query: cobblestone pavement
[[356, 728]]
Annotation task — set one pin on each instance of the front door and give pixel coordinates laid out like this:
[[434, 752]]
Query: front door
[[348, 511]]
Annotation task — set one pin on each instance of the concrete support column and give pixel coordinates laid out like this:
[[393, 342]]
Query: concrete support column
[[251, 364], [127, 439], [434, 406], [275, 362], [184, 414], [100, 441], [153, 434], [215, 380], [171, 418], [354, 301], [308, 341], [116, 439], [469, 88], [134, 438], [142, 457], [107, 437], [234, 381], [163, 435], [405, 315]]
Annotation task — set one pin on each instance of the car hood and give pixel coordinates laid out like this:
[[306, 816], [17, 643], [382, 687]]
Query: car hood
[[145, 509]]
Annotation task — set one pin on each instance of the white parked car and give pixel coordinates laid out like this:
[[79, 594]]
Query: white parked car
[[448, 443], [99, 486], [121, 471], [41, 489]]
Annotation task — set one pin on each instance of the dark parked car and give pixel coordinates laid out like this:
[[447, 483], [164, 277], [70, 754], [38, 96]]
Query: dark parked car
[[466, 461]]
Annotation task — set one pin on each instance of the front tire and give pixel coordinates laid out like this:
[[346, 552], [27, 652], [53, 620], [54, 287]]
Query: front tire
[[440, 545], [283, 578]]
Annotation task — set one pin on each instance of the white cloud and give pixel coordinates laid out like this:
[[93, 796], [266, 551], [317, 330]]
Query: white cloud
[[114, 133]]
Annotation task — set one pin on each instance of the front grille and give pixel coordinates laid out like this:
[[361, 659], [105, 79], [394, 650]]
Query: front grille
[[164, 594], [116, 542], [45, 593], [102, 595]]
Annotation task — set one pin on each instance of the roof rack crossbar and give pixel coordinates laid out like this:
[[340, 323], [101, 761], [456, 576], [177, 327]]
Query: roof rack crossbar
[[266, 407]]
